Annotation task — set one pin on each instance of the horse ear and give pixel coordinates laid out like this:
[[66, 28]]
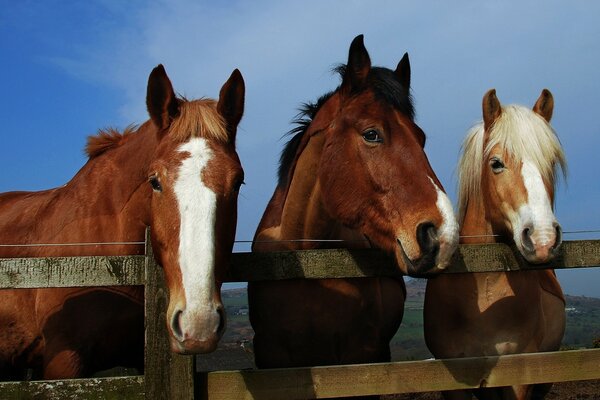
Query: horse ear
[[403, 71], [491, 108], [231, 102], [162, 104], [358, 67], [544, 106]]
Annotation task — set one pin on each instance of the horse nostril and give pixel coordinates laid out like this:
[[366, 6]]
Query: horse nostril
[[427, 238], [558, 240], [526, 239], [176, 325], [222, 319]]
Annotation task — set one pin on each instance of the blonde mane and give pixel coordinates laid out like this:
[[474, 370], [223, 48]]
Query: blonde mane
[[524, 135]]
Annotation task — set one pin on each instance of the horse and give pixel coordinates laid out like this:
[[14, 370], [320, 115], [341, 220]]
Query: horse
[[178, 173], [507, 178], [355, 172]]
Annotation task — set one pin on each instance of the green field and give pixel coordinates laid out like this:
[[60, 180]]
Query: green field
[[583, 323]]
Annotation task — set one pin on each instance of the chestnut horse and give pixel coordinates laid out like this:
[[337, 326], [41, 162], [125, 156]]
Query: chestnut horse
[[356, 171], [178, 173], [507, 182]]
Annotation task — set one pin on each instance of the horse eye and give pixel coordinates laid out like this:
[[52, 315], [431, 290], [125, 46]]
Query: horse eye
[[497, 165], [372, 136], [155, 183]]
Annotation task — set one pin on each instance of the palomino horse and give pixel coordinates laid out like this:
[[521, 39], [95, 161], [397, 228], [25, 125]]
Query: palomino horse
[[355, 170], [507, 180], [178, 173]]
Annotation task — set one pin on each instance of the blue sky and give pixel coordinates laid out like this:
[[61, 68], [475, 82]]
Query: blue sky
[[70, 68]]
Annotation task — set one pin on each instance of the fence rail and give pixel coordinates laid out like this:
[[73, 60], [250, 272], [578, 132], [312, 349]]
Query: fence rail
[[169, 375], [308, 264]]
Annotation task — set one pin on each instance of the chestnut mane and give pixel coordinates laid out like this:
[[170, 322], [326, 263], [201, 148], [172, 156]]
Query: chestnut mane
[[197, 118]]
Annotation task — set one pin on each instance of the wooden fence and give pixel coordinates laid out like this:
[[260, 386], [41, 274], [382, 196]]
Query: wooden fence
[[171, 376]]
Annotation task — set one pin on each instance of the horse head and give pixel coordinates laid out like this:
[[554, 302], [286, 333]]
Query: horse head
[[374, 174], [195, 179], [515, 153]]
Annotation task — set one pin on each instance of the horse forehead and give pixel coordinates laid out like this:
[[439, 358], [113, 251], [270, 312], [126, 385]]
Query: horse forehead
[[215, 162], [191, 158]]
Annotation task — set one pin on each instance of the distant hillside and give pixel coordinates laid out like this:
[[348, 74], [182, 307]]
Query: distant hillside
[[583, 323]]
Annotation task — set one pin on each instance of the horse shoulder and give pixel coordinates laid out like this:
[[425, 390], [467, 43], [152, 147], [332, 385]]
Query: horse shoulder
[[269, 228], [549, 283]]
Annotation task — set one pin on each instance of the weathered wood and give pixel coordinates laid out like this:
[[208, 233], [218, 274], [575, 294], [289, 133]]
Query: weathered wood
[[404, 377], [309, 264], [500, 257], [167, 375], [129, 387], [71, 272], [344, 263]]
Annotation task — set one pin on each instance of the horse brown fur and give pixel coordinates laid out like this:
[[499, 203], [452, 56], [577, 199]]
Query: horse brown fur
[[487, 314], [73, 332], [339, 186]]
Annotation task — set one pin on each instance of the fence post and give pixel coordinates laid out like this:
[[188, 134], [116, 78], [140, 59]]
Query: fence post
[[167, 375]]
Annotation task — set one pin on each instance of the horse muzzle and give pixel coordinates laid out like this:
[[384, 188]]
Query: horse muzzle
[[436, 250], [539, 245], [197, 332]]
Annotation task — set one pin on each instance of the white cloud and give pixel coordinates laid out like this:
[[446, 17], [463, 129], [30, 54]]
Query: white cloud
[[285, 50]]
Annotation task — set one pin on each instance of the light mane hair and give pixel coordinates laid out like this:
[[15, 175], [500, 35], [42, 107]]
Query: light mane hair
[[199, 118], [524, 135]]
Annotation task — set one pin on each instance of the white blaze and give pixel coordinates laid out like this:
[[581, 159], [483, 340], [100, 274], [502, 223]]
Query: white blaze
[[537, 213], [197, 208], [448, 231]]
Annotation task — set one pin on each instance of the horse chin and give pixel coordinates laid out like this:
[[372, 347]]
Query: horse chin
[[194, 346]]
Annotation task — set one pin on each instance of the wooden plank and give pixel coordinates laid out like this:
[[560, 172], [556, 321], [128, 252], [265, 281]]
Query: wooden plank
[[500, 257], [345, 263], [167, 375], [129, 387], [309, 264], [71, 272], [404, 377]]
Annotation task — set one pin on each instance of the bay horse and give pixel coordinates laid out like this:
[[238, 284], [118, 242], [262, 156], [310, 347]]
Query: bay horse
[[507, 177], [178, 173], [355, 170]]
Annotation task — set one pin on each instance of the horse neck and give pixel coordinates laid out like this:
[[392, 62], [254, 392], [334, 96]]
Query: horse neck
[[106, 201], [475, 226], [298, 213], [115, 182], [302, 215]]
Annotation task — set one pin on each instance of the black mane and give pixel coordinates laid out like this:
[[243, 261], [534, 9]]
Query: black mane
[[386, 88]]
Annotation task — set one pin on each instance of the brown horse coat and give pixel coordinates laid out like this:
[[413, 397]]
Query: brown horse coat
[[354, 171], [182, 159], [503, 198]]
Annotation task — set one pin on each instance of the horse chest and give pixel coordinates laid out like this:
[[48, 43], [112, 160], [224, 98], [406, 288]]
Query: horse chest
[[492, 288]]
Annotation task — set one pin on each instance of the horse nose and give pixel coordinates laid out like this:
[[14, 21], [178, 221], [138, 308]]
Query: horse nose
[[558, 240], [176, 325], [526, 239], [428, 240], [222, 319], [540, 245], [189, 327]]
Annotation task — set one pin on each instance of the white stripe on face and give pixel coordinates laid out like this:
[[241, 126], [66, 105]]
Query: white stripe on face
[[538, 210], [197, 208], [448, 231]]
